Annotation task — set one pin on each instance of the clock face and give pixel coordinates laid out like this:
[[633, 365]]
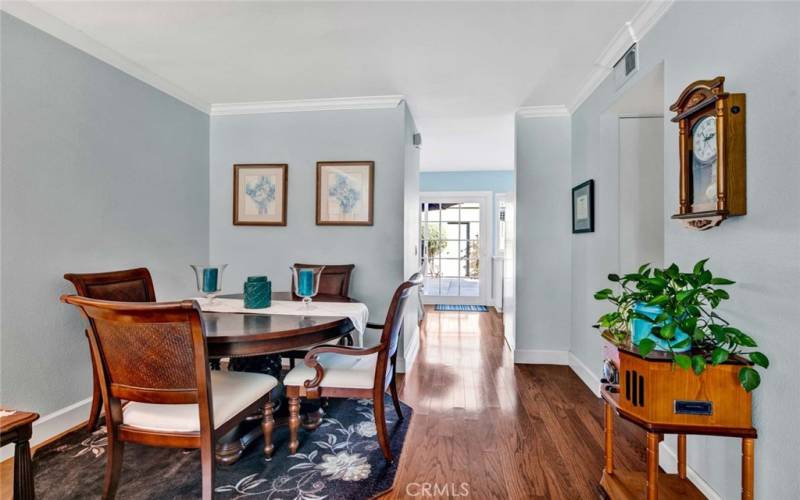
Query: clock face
[[704, 162], [704, 142]]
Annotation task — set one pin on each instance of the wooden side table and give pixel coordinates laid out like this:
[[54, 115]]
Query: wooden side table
[[661, 399], [654, 484], [16, 428]]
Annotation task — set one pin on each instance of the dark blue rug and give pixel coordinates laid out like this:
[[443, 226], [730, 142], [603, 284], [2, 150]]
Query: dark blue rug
[[339, 460], [450, 307]]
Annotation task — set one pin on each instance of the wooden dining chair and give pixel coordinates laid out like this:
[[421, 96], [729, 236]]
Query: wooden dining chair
[[334, 282], [154, 357], [129, 285], [349, 372]]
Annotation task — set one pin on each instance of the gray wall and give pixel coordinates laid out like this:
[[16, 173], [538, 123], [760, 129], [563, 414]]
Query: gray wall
[[99, 171], [756, 47], [542, 236], [301, 140]]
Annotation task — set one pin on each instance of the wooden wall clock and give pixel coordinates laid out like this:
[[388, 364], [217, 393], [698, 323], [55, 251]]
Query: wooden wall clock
[[712, 154]]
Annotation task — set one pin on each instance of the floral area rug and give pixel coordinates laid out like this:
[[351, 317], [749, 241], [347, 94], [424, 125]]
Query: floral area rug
[[339, 460]]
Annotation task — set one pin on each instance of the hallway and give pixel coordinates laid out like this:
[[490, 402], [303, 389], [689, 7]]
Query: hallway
[[485, 428]]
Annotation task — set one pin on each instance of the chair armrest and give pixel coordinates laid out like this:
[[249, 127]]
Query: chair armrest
[[311, 359], [375, 326]]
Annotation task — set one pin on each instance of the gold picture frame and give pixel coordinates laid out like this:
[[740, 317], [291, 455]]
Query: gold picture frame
[[260, 191], [345, 193]]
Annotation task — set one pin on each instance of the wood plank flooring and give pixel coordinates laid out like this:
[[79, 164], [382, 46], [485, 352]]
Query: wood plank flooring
[[485, 428], [492, 429]]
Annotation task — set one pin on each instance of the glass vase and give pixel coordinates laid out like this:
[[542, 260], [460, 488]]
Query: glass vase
[[209, 279], [305, 283]]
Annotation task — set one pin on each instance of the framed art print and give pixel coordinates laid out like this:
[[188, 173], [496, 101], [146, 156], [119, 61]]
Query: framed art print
[[345, 193], [583, 207], [259, 194]]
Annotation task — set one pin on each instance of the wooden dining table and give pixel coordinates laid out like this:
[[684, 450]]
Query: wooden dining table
[[239, 335]]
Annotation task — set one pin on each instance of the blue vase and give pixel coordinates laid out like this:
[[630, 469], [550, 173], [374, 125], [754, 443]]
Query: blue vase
[[642, 329], [257, 292]]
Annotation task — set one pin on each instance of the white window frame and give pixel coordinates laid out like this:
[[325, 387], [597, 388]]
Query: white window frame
[[484, 199]]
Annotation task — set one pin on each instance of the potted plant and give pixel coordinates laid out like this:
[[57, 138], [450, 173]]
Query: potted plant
[[674, 311]]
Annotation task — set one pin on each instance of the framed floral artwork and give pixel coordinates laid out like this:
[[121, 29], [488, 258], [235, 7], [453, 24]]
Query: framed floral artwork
[[345, 193], [259, 194]]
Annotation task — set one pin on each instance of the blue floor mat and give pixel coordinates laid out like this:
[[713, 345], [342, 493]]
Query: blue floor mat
[[450, 307]]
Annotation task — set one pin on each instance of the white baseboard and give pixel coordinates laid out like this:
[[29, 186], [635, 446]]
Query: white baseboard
[[588, 376], [668, 461], [540, 357], [53, 424], [409, 354]]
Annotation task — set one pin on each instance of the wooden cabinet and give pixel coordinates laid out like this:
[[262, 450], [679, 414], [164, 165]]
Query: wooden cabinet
[[664, 399], [663, 394]]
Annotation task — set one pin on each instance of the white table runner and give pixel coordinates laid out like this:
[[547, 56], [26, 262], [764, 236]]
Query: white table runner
[[356, 312]]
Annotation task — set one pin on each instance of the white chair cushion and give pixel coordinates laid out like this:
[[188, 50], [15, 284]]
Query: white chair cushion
[[232, 392], [347, 372]]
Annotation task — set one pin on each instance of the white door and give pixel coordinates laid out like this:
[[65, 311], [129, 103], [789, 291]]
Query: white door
[[454, 229]]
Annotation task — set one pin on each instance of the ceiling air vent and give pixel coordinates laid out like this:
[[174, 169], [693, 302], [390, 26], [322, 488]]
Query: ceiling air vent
[[626, 66]]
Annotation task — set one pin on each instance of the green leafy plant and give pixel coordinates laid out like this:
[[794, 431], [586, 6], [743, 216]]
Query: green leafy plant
[[688, 302], [435, 241]]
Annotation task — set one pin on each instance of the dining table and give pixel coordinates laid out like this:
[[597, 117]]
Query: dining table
[[252, 342]]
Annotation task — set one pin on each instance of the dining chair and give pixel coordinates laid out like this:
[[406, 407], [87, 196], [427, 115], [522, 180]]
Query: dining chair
[[129, 285], [349, 372], [154, 357], [334, 282]]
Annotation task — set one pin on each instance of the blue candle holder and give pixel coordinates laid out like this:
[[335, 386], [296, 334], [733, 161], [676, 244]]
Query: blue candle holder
[[306, 282], [209, 279]]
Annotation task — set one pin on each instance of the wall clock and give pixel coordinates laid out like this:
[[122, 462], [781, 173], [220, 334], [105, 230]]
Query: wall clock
[[712, 154]]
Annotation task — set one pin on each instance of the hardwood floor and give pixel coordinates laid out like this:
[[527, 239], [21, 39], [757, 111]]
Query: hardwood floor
[[485, 428]]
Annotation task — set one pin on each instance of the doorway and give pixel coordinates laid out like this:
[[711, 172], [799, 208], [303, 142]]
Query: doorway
[[641, 188], [454, 242]]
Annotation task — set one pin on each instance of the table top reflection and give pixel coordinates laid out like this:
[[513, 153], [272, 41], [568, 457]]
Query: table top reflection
[[222, 328]]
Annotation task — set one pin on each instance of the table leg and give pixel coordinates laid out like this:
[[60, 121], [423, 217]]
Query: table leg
[[23, 470], [652, 465], [748, 468], [231, 446], [682, 456], [609, 435]]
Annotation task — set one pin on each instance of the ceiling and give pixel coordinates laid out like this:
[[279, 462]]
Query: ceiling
[[464, 68]]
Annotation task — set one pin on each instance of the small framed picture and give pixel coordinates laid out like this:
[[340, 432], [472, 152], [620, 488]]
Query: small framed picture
[[259, 194], [345, 191], [583, 207]]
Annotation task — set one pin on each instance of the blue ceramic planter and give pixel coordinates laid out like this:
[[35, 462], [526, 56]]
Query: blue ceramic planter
[[641, 329]]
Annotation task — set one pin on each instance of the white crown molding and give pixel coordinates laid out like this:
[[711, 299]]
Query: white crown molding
[[338, 103], [634, 30], [57, 28], [543, 111]]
